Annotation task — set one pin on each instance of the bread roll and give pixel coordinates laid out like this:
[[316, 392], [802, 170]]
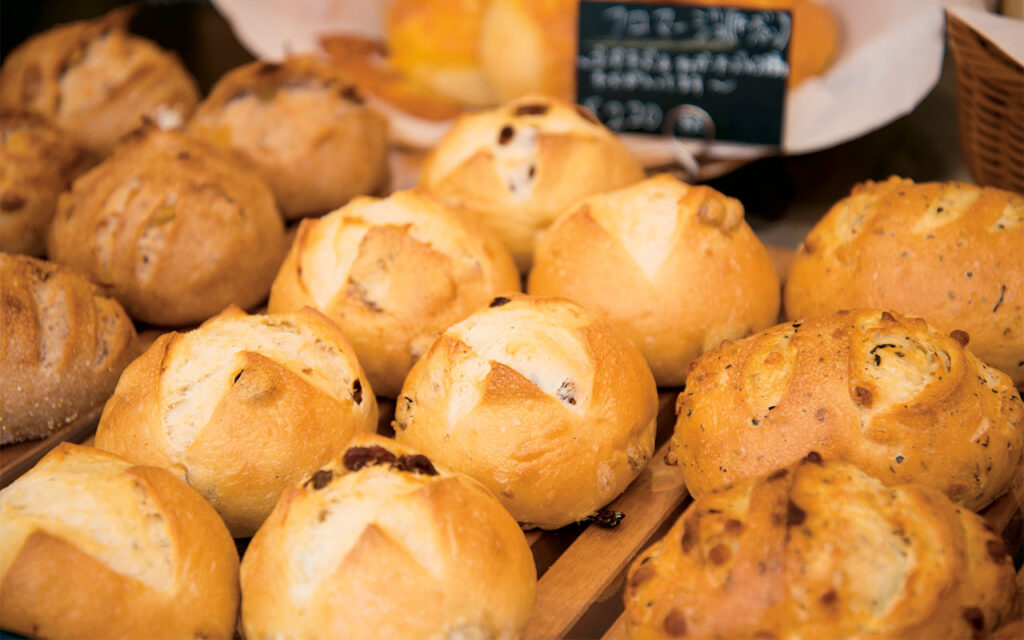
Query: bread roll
[[92, 546], [379, 543], [950, 252], [96, 80], [673, 266], [64, 343], [518, 166], [889, 393], [243, 407], [822, 550], [547, 405], [393, 273], [174, 228]]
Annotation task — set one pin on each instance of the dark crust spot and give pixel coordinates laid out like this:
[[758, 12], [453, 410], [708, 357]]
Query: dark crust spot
[[829, 598], [351, 93], [999, 302], [358, 457], [674, 624], [357, 391], [567, 392], [11, 202], [505, 135], [996, 551], [321, 479], [499, 301], [641, 575], [416, 463], [733, 526], [795, 516], [607, 518], [720, 554], [820, 414], [237, 376], [862, 397], [587, 114], [888, 317], [975, 618], [961, 337], [689, 534], [777, 475], [813, 457], [267, 68], [531, 109]]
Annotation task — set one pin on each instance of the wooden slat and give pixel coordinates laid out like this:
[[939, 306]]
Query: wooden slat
[[16, 459], [618, 630]]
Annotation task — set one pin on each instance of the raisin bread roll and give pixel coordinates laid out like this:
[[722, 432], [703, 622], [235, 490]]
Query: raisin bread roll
[[518, 166], [673, 266], [243, 407], [950, 252], [891, 394], [64, 344], [175, 229], [393, 273], [380, 543], [93, 546], [547, 405], [822, 550]]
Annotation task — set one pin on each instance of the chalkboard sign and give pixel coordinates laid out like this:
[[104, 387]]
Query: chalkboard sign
[[639, 64]]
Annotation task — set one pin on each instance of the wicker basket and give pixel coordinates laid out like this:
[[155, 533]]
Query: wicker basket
[[991, 108]]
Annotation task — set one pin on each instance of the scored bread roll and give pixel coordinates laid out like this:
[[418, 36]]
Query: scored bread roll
[[64, 344], [243, 407], [673, 266], [822, 550], [891, 394], [544, 403], [379, 543], [93, 546]]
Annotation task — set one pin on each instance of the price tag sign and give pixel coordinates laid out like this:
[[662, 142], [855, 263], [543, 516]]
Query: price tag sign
[[695, 72]]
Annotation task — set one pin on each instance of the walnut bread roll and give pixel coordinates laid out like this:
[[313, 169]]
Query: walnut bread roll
[[92, 546], [822, 550], [673, 266], [547, 405], [380, 543], [242, 407], [63, 344], [900, 399]]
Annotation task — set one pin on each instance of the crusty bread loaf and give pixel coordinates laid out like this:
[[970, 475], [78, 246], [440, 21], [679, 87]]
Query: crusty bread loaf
[[673, 266], [96, 80], [822, 550], [63, 344], [243, 407], [518, 166], [92, 546], [547, 405], [892, 394], [393, 273], [950, 252], [380, 543], [176, 229]]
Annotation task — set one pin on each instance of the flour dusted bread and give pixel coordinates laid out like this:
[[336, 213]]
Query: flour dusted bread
[[673, 266], [64, 344], [94, 546], [821, 549], [242, 407], [380, 543], [889, 393]]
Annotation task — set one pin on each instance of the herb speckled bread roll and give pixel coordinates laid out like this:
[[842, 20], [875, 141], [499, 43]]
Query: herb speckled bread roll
[[673, 266], [242, 407], [891, 394], [380, 543], [93, 546], [822, 550], [547, 405]]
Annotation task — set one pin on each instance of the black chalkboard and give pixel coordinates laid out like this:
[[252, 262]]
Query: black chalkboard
[[638, 64]]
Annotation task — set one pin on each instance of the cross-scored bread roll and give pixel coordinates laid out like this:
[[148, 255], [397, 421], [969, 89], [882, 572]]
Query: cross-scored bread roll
[[673, 266], [547, 405], [243, 407], [176, 229], [393, 273], [822, 550], [304, 128], [380, 543], [889, 393], [63, 344], [950, 252], [518, 166], [93, 546]]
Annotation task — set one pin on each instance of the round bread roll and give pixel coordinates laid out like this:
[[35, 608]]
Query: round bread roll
[[379, 543], [37, 162], [304, 128], [174, 228], [92, 546], [547, 405], [518, 166], [64, 343], [950, 252], [393, 273], [673, 266], [243, 407], [889, 393], [96, 80], [822, 550]]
